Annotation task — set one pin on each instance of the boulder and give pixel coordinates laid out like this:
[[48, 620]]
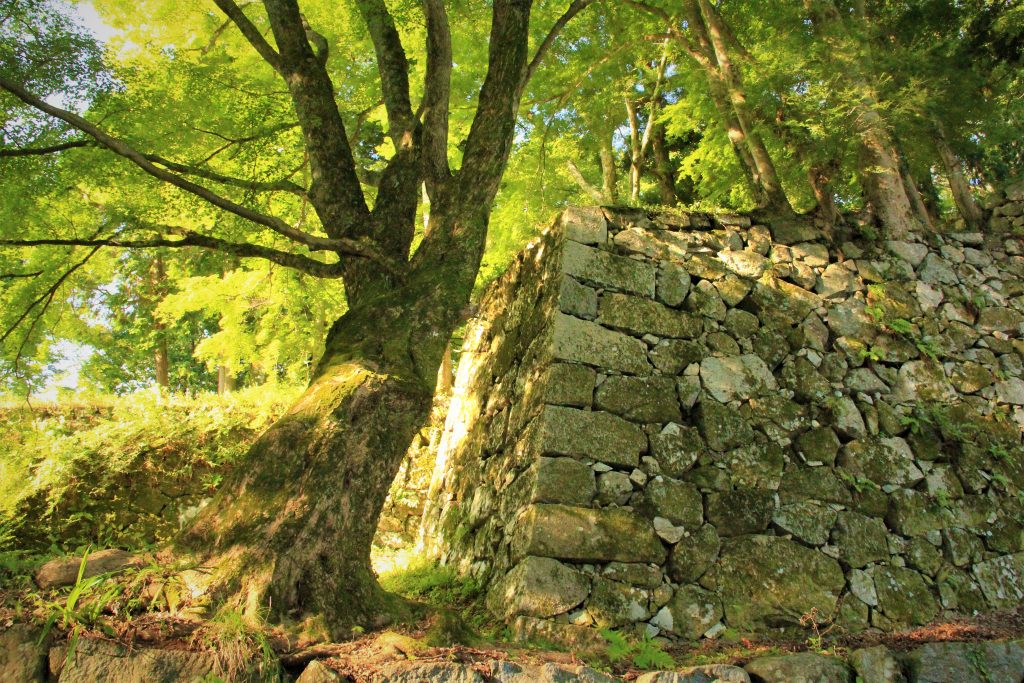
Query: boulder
[[64, 571], [22, 656], [644, 316], [946, 662], [766, 582], [721, 427], [709, 673], [613, 604], [563, 480], [1002, 580], [903, 596], [809, 521], [586, 535], [537, 587], [570, 384], [584, 224], [804, 667], [678, 502], [742, 511], [676, 448]]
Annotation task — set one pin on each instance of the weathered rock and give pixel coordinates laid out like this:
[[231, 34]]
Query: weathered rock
[[584, 224], [593, 266], [694, 610], [766, 581], [808, 521], [22, 656], [922, 380], [677, 501], [584, 434], [947, 662], [614, 488], [757, 466], [673, 284], [538, 587], [737, 377], [884, 461], [676, 448], [861, 540], [876, 665], [570, 385], [586, 535], [576, 299], [613, 604], [1002, 580], [64, 571], [318, 672], [739, 512], [1000, 320], [95, 660], [804, 667], [581, 341], [640, 399], [911, 252], [427, 672], [563, 480], [642, 316], [671, 356], [903, 596], [744, 263], [818, 445], [511, 672], [694, 554], [571, 637], [721, 427], [709, 673]]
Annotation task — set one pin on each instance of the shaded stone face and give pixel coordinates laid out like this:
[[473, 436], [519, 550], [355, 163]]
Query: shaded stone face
[[585, 434], [766, 582], [581, 341], [903, 596], [587, 535], [538, 587], [639, 399], [600, 268]]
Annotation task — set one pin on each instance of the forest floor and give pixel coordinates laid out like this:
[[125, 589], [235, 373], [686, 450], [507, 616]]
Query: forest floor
[[431, 637]]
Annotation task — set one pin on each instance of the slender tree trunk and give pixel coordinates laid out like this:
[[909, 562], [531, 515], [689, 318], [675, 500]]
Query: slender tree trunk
[[226, 380], [916, 200], [595, 193], [663, 168], [161, 359], [609, 174], [767, 174], [820, 179], [958, 186]]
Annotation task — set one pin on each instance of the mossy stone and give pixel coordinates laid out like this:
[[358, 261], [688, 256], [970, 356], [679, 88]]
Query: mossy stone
[[721, 427], [809, 521], [694, 611], [767, 582], [739, 512], [860, 539], [677, 501], [694, 554], [903, 596]]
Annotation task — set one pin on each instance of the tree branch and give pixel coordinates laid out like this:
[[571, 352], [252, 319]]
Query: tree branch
[[40, 151], [575, 8], [119, 147], [254, 185], [194, 239], [584, 184], [46, 296], [251, 33], [436, 94], [15, 276], [393, 68]]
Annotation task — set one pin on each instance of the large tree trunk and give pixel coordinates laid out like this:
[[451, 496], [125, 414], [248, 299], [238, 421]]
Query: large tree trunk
[[288, 537], [958, 186], [883, 182], [609, 174], [663, 168]]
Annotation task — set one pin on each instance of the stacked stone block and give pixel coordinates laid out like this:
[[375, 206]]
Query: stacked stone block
[[685, 423]]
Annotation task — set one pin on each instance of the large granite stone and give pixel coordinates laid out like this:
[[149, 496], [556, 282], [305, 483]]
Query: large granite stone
[[1002, 580], [803, 667], [736, 377], [563, 480], [582, 341], [643, 316], [903, 595], [884, 461], [722, 427], [586, 535], [640, 399], [600, 268], [678, 502], [767, 582], [538, 587], [586, 434], [982, 662], [694, 610], [694, 554]]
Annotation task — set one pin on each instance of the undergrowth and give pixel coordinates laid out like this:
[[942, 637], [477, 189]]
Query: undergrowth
[[119, 471]]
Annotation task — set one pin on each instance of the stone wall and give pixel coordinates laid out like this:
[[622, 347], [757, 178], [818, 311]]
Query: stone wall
[[684, 423]]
